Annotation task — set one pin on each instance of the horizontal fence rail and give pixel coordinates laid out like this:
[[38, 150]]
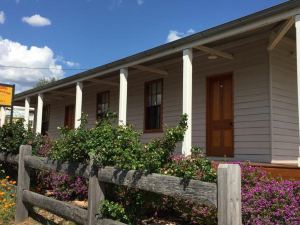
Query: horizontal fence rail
[[72, 169], [9, 158], [194, 190], [65, 210], [226, 195]]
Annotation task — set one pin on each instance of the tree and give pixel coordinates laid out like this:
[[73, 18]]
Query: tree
[[44, 81]]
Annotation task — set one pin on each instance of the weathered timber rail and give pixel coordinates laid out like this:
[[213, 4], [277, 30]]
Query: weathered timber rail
[[226, 195]]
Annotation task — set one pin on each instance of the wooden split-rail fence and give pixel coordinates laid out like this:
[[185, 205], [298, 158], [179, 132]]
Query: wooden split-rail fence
[[225, 195]]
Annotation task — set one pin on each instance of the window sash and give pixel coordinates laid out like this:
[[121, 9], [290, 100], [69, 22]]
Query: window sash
[[102, 104], [153, 105]]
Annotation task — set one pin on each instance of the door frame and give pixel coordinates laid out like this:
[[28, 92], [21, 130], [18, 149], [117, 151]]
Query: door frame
[[207, 120]]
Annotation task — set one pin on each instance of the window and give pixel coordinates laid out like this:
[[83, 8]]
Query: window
[[153, 105], [102, 104], [45, 119], [70, 116]]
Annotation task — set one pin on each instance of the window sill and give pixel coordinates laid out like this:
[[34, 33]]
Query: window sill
[[153, 131]]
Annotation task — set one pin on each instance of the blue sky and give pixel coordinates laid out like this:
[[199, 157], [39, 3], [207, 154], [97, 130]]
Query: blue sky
[[89, 33]]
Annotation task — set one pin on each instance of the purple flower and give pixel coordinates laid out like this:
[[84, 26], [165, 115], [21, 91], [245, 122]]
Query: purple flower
[[65, 187], [268, 201]]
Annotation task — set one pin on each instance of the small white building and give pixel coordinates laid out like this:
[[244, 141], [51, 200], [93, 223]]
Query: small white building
[[238, 82], [19, 113]]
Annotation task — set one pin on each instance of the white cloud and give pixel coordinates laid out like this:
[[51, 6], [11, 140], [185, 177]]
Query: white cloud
[[14, 54], [36, 20], [71, 64], [2, 17], [67, 62], [140, 2], [190, 31], [175, 35], [119, 3]]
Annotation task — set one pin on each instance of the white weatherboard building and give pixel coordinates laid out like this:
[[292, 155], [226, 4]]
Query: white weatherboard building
[[19, 113], [239, 84]]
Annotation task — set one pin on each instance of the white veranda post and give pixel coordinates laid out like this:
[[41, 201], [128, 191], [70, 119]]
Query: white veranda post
[[297, 23], [39, 113], [26, 112], [187, 98], [78, 105], [2, 116], [123, 96]]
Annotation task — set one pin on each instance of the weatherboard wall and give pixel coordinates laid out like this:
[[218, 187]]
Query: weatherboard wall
[[285, 128]]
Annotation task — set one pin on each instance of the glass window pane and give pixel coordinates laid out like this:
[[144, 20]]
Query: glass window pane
[[153, 87], [159, 86], [159, 99], [149, 101], [102, 104], [154, 101], [149, 89]]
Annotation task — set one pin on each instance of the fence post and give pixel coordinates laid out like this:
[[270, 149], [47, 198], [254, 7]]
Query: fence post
[[23, 184], [95, 193], [229, 194]]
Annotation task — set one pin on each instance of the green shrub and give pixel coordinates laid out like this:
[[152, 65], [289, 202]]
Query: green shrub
[[119, 146], [159, 151], [190, 212], [196, 167], [112, 210], [73, 145], [111, 145], [13, 135], [107, 144]]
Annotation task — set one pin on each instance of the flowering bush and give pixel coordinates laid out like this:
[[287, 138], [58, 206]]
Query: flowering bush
[[264, 200], [7, 200], [62, 186], [252, 175], [195, 167], [140, 204], [45, 147], [268, 201], [273, 202], [191, 212], [119, 146]]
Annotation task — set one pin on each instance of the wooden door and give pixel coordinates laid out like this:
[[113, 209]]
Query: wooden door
[[219, 116], [70, 116]]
